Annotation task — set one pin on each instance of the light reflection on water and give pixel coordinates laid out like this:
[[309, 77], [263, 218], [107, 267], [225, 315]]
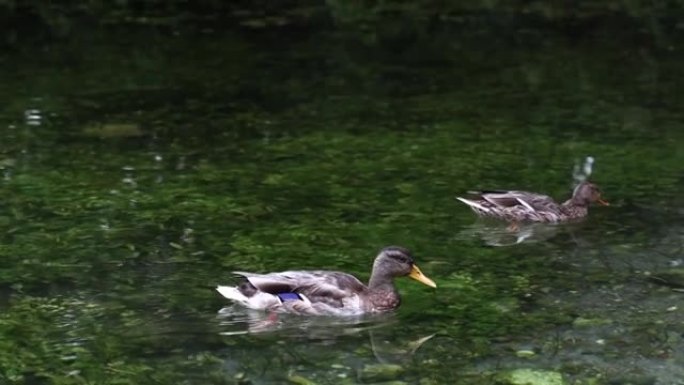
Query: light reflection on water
[[33, 117]]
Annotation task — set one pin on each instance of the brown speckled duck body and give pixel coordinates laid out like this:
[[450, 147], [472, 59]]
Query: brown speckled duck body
[[322, 292], [523, 206]]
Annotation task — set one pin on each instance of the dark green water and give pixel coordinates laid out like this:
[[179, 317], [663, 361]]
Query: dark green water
[[140, 166]]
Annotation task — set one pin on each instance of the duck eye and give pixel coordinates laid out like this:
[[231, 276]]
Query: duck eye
[[400, 257]]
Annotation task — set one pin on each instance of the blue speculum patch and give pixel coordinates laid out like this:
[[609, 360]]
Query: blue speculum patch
[[289, 297]]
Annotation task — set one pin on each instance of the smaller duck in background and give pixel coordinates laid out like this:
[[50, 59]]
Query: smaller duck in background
[[523, 206]]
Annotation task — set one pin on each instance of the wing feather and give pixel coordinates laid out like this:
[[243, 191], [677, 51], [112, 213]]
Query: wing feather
[[527, 205], [531, 201], [513, 205], [313, 284]]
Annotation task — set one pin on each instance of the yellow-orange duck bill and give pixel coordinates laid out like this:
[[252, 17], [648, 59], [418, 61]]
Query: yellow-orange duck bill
[[420, 277], [605, 203]]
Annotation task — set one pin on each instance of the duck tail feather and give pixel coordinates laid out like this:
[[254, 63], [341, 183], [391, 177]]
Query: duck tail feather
[[232, 293], [473, 204]]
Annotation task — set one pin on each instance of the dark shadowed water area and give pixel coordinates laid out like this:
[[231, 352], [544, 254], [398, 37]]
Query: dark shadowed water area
[[142, 164]]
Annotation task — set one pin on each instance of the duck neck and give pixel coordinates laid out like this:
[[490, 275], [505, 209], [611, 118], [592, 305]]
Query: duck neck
[[382, 293], [381, 282], [576, 207], [576, 202]]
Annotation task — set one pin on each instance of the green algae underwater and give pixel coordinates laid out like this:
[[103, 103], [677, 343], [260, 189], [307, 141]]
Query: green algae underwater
[[141, 164]]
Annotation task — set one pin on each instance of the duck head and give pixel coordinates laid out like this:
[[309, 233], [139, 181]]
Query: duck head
[[587, 193], [395, 261]]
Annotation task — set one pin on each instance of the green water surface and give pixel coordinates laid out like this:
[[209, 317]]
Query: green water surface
[[140, 165]]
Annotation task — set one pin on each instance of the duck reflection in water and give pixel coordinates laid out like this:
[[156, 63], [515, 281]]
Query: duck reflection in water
[[499, 234], [236, 320], [380, 329]]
